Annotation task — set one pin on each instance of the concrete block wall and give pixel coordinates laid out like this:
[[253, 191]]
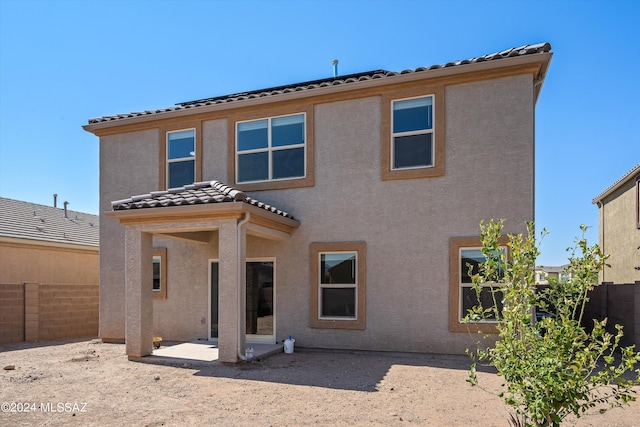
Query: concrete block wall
[[34, 311], [11, 313], [68, 311]]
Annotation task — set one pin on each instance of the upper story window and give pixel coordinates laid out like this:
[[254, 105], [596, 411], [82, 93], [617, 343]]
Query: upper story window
[[181, 158], [412, 133], [271, 149]]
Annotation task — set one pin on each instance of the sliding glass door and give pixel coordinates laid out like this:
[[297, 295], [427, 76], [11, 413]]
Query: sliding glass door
[[260, 300]]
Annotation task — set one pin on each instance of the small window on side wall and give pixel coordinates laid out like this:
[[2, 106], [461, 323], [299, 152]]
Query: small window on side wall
[[159, 273], [338, 281]]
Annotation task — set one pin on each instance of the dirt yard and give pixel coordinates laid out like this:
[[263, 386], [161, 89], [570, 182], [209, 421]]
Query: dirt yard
[[84, 384]]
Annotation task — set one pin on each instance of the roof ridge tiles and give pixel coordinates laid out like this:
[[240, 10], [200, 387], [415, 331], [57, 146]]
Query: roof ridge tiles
[[198, 193], [528, 49]]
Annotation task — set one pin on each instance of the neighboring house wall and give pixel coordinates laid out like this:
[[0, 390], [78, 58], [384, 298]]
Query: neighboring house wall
[[406, 224], [619, 238], [23, 261], [49, 270], [619, 230]]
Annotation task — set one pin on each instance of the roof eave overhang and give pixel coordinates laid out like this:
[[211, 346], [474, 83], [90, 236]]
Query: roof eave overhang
[[262, 222], [538, 64], [45, 244], [622, 181]]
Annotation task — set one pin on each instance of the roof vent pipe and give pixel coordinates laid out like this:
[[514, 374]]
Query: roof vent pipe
[[55, 200], [335, 67], [65, 209]]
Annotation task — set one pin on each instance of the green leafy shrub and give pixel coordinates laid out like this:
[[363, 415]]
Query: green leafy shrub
[[553, 367]]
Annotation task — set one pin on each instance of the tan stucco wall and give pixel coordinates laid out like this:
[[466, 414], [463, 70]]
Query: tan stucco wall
[[35, 263], [406, 224], [179, 317], [619, 235], [128, 166]]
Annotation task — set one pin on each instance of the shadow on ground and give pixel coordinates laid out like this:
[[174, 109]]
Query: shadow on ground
[[358, 371], [36, 344]]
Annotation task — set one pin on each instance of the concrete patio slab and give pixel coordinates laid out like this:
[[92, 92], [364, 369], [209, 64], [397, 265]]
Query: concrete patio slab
[[201, 352]]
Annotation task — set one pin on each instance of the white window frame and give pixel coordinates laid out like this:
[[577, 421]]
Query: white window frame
[[181, 159], [415, 132], [270, 149], [322, 286], [461, 285]]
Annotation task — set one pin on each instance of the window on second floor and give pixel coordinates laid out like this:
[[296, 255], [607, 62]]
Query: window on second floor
[[413, 129], [412, 133], [271, 149], [181, 158]]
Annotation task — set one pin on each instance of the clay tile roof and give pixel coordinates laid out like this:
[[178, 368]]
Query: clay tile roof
[[617, 184], [530, 49], [197, 193], [31, 221]]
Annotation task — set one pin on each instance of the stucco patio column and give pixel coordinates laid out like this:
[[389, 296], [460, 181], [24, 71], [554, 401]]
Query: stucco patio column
[[138, 293], [232, 291]]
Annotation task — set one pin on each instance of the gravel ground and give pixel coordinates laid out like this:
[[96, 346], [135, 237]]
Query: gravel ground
[[80, 383]]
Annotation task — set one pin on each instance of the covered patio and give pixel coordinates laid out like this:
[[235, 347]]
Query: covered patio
[[196, 214]]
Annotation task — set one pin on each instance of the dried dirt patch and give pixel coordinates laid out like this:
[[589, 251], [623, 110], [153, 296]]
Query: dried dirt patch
[[79, 383]]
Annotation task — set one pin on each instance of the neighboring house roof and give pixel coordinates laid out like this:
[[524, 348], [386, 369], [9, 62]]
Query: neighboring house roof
[[553, 269], [194, 194], [521, 51], [613, 187], [31, 221]]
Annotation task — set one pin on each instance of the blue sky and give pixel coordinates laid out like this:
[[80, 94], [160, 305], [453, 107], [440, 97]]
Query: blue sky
[[63, 62]]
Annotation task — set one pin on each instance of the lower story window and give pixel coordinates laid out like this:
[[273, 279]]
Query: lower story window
[[338, 285], [470, 260], [465, 258], [159, 273]]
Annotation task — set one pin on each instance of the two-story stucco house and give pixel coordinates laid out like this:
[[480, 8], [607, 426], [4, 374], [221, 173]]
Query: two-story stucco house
[[619, 228], [619, 237], [340, 211]]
